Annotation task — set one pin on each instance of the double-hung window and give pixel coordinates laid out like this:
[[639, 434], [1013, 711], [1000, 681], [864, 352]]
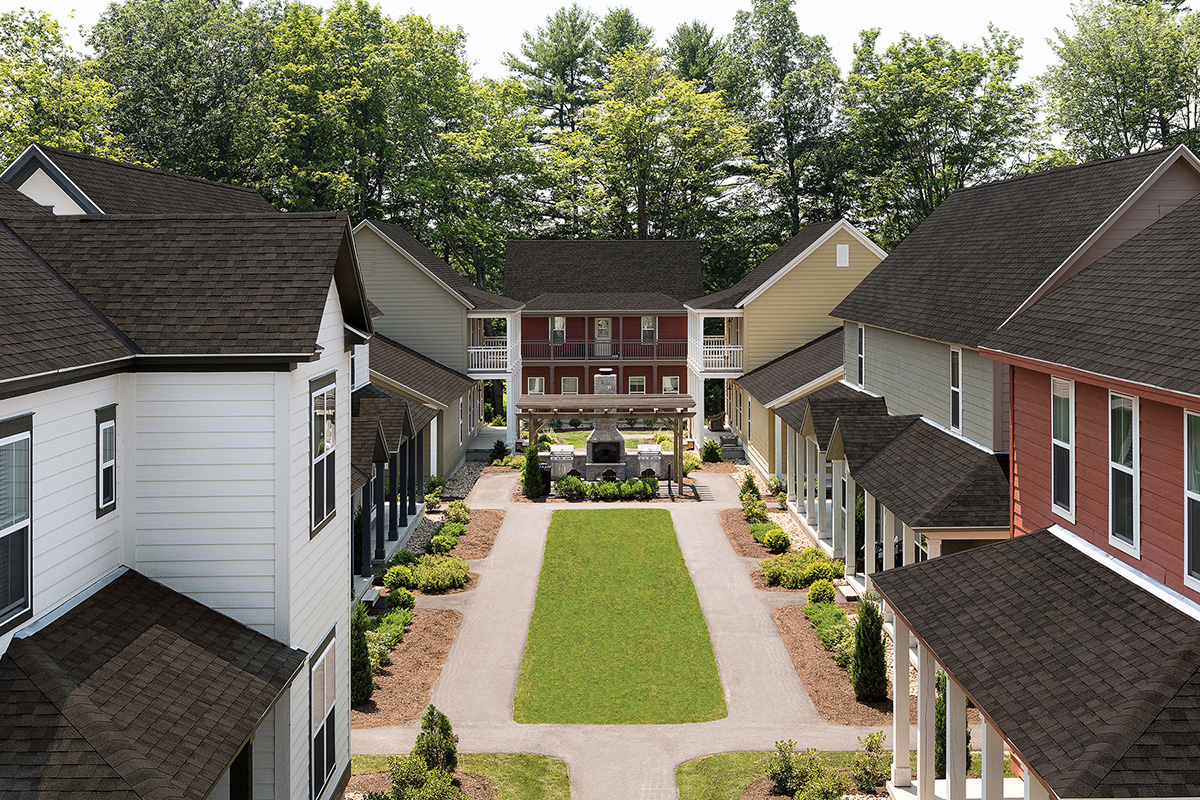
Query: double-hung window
[[956, 390], [1062, 445], [670, 384], [1122, 472], [535, 384], [570, 385], [323, 392], [637, 384], [1191, 492], [462, 420], [106, 460], [862, 356], [558, 330], [324, 694], [649, 330], [16, 515]]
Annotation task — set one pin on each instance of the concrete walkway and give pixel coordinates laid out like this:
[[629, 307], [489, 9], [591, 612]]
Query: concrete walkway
[[765, 698]]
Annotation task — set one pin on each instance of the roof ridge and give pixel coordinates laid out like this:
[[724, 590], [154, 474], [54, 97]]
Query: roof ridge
[[968, 480], [142, 168], [915, 419], [1164, 151]]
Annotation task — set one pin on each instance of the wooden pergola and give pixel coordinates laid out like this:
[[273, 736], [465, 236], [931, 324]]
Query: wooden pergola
[[675, 409]]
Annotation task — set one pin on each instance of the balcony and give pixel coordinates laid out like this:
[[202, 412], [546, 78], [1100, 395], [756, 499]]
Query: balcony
[[491, 356], [580, 350], [720, 356]]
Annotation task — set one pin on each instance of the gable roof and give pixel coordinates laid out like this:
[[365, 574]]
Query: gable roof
[[807, 363], [615, 301], [104, 186], [535, 266], [223, 285], [136, 692], [448, 276], [859, 438], [1108, 714], [1133, 314], [416, 373], [933, 479], [986, 249], [771, 266], [824, 406]]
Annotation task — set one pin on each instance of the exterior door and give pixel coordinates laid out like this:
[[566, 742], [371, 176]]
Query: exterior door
[[603, 337]]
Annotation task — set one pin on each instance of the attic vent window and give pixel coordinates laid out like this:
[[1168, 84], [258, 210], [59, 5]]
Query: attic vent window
[[843, 255]]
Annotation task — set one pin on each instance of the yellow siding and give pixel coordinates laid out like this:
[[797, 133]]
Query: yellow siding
[[796, 309], [762, 433]]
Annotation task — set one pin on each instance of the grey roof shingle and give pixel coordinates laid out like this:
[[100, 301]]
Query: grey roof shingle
[[534, 267], [478, 298], [615, 301], [768, 269], [121, 188], [15, 204], [862, 437], [801, 366], [827, 404], [986, 249], [1096, 683], [1133, 314], [137, 692], [417, 373]]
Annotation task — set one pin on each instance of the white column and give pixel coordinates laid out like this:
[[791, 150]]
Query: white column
[[956, 741], [435, 445], [901, 772], [925, 690], [910, 546], [889, 546], [778, 443], [849, 542], [514, 426], [1033, 787], [822, 517], [838, 527], [810, 484], [993, 763], [868, 533], [789, 461]]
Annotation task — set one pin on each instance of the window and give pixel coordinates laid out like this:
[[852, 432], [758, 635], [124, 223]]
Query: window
[[324, 743], [324, 445], [843, 255], [1191, 491], [106, 460], [462, 420], [1123, 464], [649, 330], [558, 330], [956, 389], [862, 355], [16, 513], [570, 385], [1062, 445], [535, 385], [670, 384], [747, 419], [637, 384]]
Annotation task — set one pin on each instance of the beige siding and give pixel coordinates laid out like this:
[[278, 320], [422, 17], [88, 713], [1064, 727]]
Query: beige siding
[[417, 310], [762, 434], [796, 309]]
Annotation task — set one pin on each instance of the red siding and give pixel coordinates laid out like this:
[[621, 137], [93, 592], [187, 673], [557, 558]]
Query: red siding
[[672, 327], [535, 329], [577, 329], [1161, 448]]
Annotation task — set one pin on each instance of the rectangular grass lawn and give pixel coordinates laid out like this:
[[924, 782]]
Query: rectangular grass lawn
[[617, 634]]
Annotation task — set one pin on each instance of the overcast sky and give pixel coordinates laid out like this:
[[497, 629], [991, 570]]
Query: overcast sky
[[495, 26]]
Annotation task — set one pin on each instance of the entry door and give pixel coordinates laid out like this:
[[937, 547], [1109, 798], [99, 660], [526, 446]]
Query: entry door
[[603, 337]]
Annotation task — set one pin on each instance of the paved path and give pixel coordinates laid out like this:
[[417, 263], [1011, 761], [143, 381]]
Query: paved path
[[765, 698]]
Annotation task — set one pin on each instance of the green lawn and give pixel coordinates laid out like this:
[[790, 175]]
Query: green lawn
[[617, 634], [578, 439], [516, 776]]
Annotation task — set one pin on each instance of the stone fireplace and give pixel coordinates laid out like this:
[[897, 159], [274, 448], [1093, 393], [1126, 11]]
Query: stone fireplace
[[605, 450]]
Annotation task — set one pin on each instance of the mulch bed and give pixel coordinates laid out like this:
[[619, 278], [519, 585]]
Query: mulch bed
[[403, 687], [721, 467], [473, 786], [828, 685], [477, 542], [491, 469], [764, 789], [738, 531]]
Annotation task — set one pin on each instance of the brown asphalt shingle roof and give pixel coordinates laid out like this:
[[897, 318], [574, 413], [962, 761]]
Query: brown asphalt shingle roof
[[768, 269], [137, 692], [121, 188], [835, 400], [478, 298], [862, 437], [1133, 314], [534, 267], [801, 366], [13, 203], [986, 249], [232, 285], [413, 371], [603, 301], [1094, 680]]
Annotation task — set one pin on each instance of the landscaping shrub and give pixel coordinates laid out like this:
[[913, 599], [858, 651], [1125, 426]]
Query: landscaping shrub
[[710, 451], [690, 461], [458, 512], [604, 491], [776, 487], [843, 650], [817, 571], [513, 461], [651, 483], [776, 541], [401, 598], [433, 500], [821, 591], [440, 545], [782, 770], [802, 775], [872, 764], [361, 684], [438, 573], [398, 577], [830, 623], [499, 451], [575, 422], [749, 489], [390, 626], [405, 558], [664, 439], [571, 487], [544, 441], [533, 476], [868, 672], [824, 784], [433, 483], [754, 510], [939, 722], [437, 745], [774, 569], [760, 529], [378, 650], [452, 529], [811, 554]]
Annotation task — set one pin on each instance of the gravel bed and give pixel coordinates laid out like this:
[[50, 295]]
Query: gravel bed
[[461, 482]]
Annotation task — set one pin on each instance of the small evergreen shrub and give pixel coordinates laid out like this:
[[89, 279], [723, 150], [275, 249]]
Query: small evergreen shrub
[[452, 529], [774, 569], [434, 482], [437, 745], [401, 598], [811, 554], [868, 673], [458, 512], [544, 441], [782, 770], [939, 722], [440, 545], [499, 451], [821, 591], [651, 483], [362, 685], [760, 529], [390, 625], [398, 577], [817, 571], [749, 488], [533, 476], [689, 462], [776, 487], [575, 422], [843, 651], [412, 779], [405, 558], [710, 451], [754, 510], [571, 487], [433, 500], [776, 541], [872, 764], [378, 650], [439, 573]]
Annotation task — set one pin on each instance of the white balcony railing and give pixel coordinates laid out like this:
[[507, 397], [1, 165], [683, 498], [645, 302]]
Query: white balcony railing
[[721, 356], [492, 358]]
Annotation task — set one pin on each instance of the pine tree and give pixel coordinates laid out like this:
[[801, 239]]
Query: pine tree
[[437, 743], [868, 670], [533, 475], [362, 684]]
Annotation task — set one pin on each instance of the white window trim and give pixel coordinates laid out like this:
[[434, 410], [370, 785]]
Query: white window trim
[[1066, 513], [633, 378], [1188, 580], [564, 380], [677, 381], [25, 524], [843, 255], [535, 380], [102, 465], [862, 356], [653, 330], [1134, 549], [461, 421], [956, 393], [321, 457], [558, 339]]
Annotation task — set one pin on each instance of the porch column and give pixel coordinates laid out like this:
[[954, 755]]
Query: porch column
[[797, 470], [380, 511], [420, 460], [789, 463], [956, 741], [889, 539], [838, 519], [1033, 787], [401, 496], [413, 469], [851, 541], [778, 443], [433, 443], [510, 416], [901, 771], [810, 484], [993, 763], [910, 545], [868, 534], [364, 533], [394, 510], [925, 690], [822, 517]]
